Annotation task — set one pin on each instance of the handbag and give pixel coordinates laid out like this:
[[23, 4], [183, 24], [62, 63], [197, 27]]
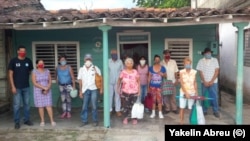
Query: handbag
[[98, 80], [196, 116], [148, 102], [137, 110], [167, 87]]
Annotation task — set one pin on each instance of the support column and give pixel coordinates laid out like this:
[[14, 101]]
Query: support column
[[106, 113], [239, 82]]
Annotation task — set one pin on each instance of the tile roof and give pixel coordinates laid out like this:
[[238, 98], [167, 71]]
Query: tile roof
[[33, 12]]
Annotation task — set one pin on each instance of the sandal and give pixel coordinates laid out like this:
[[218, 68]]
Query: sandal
[[42, 124], [53, 123]]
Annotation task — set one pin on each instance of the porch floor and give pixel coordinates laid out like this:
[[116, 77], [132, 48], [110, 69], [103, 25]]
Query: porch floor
[[146, 129]]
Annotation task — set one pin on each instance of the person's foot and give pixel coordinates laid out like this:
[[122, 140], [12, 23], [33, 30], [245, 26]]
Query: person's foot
[[125, 121], [17, 125], [175, 111], [205, 113], [83, 124], [68, 115], [42, 124], [29, 123], [64, 115], [118, 114], [166, 112], [152, 115], [216, 114], [160, 115], [95, 124], [53, 123], [134, 121]]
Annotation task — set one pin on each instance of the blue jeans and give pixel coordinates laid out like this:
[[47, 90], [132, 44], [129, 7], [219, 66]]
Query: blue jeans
[[89, 95], [212, 93], [24, 95], [143, 92]]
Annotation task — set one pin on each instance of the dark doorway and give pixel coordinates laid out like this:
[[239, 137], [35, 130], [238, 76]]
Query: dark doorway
[[134, 51]]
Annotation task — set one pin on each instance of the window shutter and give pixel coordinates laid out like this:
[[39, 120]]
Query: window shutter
[[71, 52], [179, 50], [247, 48], [46, 52], [50, 52]]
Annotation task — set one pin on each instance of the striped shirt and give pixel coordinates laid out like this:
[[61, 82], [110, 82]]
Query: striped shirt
[[208, 67]]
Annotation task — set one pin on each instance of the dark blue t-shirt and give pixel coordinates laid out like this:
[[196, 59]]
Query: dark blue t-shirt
[[21, 71], [156, 79]]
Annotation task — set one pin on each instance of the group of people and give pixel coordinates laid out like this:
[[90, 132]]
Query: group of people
[[128, 83]]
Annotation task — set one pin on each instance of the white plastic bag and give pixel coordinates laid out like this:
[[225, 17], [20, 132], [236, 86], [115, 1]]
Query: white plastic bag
[[137, 110], [200, 114]]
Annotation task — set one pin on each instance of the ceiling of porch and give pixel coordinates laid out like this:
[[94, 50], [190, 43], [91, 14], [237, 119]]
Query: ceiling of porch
[[30, 14]]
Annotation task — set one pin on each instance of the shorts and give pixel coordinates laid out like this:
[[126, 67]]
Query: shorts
[[183, 101]]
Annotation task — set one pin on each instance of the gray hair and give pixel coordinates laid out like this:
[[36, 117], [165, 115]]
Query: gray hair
[[129, 60]]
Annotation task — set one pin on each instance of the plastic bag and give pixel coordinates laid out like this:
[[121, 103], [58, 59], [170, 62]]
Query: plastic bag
[[137, 110], [196, 115]]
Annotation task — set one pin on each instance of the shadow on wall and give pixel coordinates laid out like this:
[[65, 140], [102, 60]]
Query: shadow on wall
[[230, 88]]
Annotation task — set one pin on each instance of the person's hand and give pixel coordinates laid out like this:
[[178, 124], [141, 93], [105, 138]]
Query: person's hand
[[101, 91], [13, 90], [206, 84], [187, 96], [80, 94], [210, 83]]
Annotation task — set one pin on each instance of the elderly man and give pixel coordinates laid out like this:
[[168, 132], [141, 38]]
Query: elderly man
[[115, 67], [88, 89], [208, 68], [169, 99]]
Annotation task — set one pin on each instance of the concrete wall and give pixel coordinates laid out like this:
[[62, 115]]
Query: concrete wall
[[220, 4], [228, 60], [202, 35]]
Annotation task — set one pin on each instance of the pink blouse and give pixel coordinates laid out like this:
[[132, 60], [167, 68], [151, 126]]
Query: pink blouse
[[129, 82], [143, 72]]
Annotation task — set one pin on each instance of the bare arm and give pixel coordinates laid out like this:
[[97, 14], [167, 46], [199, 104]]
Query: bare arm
[[195, 86], [80, 88], [13, 88], [72, 77]]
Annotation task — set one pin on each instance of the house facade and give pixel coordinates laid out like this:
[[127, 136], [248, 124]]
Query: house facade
[[228, 35], [133, 32]]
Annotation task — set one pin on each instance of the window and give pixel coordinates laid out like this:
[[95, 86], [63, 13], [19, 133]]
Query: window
[[50, 52], [247, 47], [180, 49]]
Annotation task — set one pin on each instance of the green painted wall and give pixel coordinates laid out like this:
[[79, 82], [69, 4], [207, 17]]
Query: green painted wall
[[202, 35]]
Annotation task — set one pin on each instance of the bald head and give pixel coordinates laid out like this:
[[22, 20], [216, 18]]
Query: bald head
[[113, 51]]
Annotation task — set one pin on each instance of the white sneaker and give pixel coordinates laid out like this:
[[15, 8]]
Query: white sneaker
[[152, 115], [160, 115]]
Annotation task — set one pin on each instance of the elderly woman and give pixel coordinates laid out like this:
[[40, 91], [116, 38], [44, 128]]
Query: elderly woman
[[188, 87], [130, 88]]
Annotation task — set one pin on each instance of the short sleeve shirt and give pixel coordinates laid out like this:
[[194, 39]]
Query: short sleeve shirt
[[129, 82], [21, 71], [208, 67], [156, 78]]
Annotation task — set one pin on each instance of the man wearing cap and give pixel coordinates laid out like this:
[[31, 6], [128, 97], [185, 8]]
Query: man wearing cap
[[169, 100], [208, 68], [88, 90], [115, 67]]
